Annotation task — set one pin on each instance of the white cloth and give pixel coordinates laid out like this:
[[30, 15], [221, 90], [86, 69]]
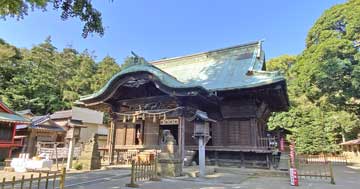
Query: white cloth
[[38, 164], [21, 164], [18, 164]]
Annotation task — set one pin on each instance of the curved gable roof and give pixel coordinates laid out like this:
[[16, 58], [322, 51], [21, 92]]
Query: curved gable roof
[[237, 67]]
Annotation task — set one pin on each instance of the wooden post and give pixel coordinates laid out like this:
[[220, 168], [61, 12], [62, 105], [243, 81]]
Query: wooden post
[[117, 157], [155, 173], [31, 180], [39, 180], [70, 153], [132, 183], [54, 180], [47, 180], [253, 132], [3, 183], [22, 182], [56, 157], [112, 140], [181, 134], [62, 178], [13, 183], [332, 179]]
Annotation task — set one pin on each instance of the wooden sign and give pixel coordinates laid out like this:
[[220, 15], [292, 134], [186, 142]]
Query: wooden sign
[[169, 122]]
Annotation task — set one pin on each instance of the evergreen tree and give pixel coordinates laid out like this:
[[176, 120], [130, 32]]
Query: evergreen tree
[[104, 71]]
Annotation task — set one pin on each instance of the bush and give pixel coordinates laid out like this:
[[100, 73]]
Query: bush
[[78, 166]]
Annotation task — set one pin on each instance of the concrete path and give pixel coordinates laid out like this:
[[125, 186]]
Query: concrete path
[[344, 177], [98, 179]]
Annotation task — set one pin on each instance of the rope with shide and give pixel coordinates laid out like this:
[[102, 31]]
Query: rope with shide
[[37, 182]]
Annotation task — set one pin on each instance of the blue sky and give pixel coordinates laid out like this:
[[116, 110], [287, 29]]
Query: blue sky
[[166, 28]]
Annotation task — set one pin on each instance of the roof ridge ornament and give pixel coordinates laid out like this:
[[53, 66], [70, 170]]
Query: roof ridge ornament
[[135, 59]]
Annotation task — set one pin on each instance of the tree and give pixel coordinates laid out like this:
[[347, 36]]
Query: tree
[[42, 78], [282, 63], [10, 58], [36, 85], [79, 83], [328, 71], [82, 9], [323, 83], [45, 80], [104, 71]]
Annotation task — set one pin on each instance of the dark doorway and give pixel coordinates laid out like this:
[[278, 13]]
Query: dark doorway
[[173, 129], [138, 134]]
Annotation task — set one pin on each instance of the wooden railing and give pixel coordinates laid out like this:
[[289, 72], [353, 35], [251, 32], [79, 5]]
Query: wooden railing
[[125, 156], [142, 171], [46, 181], [267, 143]]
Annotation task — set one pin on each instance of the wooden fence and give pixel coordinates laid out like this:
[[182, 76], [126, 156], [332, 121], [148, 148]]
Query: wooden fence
[[315, 166], [40, 181], [54, 152], [142, 171], [323, 158]]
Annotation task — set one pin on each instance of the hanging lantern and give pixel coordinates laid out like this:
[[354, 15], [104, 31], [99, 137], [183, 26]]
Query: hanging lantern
[[124, 119], [134, 119], [154, 119]]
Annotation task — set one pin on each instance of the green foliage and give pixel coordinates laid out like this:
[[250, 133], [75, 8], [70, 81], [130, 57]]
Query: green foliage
[[82, 9], [78, 166], [105, 70], [45, 80], [282, 63], [323, 83]]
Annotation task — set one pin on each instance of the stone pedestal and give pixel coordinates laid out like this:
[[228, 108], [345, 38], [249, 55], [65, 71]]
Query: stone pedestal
[[169, 163], [90, 156], [170, 167]]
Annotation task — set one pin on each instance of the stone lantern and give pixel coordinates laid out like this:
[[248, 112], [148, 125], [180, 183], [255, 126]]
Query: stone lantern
[[202, 135], [73, 134]]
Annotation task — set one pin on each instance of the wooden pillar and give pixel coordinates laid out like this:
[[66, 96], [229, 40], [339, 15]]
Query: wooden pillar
[[181, 140], [112, 134], [70, 153], [253, 132]]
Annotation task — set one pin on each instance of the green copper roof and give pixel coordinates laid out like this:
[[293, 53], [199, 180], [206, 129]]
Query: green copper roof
[[232, 68], [165, 78], [236, 67], [13, 118]]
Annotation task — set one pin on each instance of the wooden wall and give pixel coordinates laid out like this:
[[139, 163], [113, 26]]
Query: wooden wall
[[244, 124], [232, 132], [125, 132], [151, 132], [120, 133]]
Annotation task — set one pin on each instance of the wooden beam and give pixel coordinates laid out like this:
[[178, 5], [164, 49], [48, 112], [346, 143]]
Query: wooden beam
[[145, 100]]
